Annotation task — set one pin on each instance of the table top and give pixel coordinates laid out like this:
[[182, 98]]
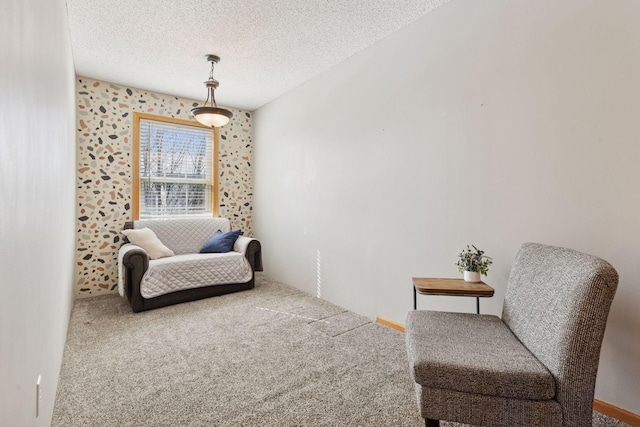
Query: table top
[[451, 287]]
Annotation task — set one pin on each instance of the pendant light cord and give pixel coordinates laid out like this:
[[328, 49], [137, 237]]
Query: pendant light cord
[[211, 93]]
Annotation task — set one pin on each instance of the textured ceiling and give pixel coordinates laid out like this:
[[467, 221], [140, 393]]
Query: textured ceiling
[[267, 47]]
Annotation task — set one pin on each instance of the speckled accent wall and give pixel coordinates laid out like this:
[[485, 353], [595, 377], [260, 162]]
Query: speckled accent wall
[[104, 140]]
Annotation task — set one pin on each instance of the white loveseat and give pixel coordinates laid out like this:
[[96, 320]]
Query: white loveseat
[[188, 275]]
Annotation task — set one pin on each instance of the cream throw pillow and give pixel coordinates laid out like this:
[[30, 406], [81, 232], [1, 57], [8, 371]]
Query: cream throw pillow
[[147, 240]]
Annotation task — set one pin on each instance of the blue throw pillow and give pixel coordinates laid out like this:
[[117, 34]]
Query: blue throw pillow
[[221, 242]]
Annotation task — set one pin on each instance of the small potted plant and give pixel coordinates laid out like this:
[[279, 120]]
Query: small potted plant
[[473, 262]]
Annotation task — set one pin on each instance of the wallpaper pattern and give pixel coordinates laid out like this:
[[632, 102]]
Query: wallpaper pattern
[[104, 138]]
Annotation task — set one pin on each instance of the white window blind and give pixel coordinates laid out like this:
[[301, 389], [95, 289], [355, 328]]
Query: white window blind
[[175, 169]]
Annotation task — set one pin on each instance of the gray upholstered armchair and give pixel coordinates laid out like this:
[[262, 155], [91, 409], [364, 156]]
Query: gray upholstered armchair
[[534, 367]]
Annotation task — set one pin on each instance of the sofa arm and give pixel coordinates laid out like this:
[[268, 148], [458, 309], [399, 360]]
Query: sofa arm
[[135, 262], [251, 249]]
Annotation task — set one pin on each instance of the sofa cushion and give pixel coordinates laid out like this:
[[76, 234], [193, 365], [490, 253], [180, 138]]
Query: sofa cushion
[[147, 240], [221, 242], [184, 235], [467, 358], [190, 271]]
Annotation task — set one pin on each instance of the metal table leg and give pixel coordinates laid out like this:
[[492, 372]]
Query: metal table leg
[[477, 305], [415, 302]]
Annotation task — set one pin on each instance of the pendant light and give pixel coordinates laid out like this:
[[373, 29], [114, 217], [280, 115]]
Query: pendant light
[[211, 115]]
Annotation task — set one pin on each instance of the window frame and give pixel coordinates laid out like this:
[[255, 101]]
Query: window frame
[[135, 161]]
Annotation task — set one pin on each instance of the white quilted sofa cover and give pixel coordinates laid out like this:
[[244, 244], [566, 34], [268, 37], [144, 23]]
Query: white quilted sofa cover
[[190, 269]]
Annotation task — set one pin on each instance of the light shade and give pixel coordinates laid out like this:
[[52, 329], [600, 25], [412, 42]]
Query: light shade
[[212, 116]]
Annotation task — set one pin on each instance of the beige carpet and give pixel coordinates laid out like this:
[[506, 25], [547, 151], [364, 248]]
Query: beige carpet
[[272, 356]]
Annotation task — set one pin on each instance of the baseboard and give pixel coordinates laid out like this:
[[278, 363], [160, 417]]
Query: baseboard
[[390, 323], [602, 407], [617, 413]]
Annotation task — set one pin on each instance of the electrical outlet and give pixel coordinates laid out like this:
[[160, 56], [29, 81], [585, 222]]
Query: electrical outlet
[[38, 395]]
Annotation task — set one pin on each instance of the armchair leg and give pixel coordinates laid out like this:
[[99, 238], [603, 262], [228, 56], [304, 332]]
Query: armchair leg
[[428, 422]]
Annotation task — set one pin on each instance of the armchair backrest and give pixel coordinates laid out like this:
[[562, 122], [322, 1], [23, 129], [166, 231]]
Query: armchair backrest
[[557, 303], [184, 235]]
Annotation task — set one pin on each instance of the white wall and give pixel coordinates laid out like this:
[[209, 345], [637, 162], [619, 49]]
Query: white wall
[[495, 123], [37, 199]]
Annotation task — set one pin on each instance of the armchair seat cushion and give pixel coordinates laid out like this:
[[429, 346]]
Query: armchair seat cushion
[[475, 354]]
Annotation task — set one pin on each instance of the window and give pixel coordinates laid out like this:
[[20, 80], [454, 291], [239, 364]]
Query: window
[[173, 168]]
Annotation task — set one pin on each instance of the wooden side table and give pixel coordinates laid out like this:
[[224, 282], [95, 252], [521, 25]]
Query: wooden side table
[[450, 287]]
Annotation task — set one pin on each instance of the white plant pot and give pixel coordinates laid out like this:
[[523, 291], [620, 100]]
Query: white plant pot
[[472, 276]]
